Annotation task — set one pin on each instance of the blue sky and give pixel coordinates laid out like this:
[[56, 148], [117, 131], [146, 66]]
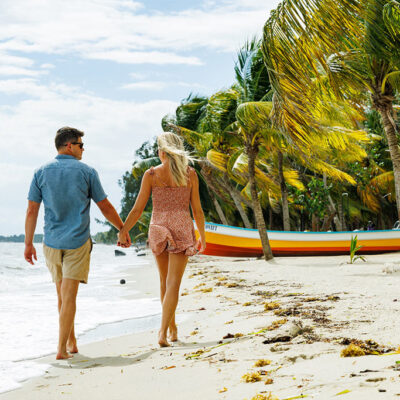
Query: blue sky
[[112, 68]]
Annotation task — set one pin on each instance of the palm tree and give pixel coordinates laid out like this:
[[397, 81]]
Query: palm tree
[[354, 55]]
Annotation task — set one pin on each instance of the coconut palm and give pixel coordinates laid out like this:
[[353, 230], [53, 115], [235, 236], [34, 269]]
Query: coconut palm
[[354, 55]]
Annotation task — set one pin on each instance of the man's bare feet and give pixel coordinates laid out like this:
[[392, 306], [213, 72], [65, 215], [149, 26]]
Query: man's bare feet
[[63, 356], [162, 340], [173, 334]]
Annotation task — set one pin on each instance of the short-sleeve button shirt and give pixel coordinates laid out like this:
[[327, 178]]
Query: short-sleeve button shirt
[[66, 187]]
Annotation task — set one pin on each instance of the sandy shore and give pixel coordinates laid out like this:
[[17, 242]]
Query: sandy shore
[[297, 313]]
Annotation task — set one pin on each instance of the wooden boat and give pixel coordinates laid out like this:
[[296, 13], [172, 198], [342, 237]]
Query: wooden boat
[[230, 241]]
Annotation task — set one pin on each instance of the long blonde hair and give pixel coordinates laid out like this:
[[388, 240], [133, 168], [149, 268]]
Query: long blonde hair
[[172, 145]]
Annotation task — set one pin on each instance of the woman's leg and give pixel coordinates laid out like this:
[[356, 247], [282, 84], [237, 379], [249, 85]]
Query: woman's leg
[[176, 268], [162, 264]]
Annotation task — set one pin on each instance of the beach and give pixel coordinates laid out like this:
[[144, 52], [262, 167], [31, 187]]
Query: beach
[[294, 316]]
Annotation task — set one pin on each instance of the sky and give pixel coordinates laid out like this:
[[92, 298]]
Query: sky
[[112, 68]]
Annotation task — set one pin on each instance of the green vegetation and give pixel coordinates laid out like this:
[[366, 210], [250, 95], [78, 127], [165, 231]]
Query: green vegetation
[[21, 238], [353, 250]]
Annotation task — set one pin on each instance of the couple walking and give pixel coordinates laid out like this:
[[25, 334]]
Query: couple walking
[[66, 187]]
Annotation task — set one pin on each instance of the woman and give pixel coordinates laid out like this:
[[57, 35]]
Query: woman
[[173, 185]]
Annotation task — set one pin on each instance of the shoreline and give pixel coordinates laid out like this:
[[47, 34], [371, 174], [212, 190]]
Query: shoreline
[[320, 302]]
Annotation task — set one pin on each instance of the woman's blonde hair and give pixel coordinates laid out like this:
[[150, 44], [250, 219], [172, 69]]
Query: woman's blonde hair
[[172, 145]]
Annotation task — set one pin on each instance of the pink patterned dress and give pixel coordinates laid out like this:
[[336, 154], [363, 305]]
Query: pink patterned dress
[[171, 227]]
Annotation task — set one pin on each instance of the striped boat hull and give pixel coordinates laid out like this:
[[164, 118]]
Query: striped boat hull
[[231, 241]]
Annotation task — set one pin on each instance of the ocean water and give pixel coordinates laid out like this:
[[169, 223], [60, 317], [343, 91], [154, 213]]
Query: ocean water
[[29, 315]]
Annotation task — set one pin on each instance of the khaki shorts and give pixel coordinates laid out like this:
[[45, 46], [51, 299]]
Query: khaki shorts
[[70, 264]]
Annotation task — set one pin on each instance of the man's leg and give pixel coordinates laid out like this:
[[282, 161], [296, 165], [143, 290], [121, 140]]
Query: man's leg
[[71, 342], [69, 291]]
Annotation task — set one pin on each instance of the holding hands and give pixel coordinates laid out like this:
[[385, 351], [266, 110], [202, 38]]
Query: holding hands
[[124, 240]]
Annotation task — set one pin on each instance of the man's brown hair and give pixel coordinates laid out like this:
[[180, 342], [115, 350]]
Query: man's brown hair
[[66, 135]]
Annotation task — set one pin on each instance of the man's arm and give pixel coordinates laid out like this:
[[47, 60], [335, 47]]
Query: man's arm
[[111, 215], [30, 226]]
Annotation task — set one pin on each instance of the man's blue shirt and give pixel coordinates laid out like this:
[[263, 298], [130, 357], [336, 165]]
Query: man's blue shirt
[[66, 187]]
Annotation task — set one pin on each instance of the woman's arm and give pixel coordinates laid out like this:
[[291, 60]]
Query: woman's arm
[[137, 209], [196, 208]]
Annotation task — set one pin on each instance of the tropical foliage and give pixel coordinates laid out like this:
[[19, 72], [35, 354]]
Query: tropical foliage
[[306, 135]]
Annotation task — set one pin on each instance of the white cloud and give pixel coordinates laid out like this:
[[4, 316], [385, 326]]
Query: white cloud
[[150, 57], [12, 70], [125, 31], [47, 66], [159, 85], [145, 85]]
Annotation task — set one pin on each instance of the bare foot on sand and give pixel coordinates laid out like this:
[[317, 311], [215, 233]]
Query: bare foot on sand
[[63, 356], [173, 334], [162, 340], [72, 348]]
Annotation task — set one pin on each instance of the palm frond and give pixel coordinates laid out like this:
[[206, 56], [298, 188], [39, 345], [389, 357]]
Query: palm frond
[[139, 167]]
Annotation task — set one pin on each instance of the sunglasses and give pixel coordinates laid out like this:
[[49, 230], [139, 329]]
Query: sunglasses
[[79, 144]]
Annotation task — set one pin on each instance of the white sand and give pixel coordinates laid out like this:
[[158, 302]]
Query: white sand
[[367, 306]]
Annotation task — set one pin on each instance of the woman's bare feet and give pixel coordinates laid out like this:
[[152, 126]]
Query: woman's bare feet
[[173, 333], [72, 347], [63, 355], [162, 340]]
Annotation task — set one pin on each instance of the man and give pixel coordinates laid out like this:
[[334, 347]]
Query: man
[[66, 187]]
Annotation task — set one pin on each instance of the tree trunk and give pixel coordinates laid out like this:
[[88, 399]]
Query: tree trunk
[[284, 194], [262, 229], [211, 191], [218, 208], [314, 223], [343, 225], [222, 187], [240, 208], [328, 221], [386, 112]]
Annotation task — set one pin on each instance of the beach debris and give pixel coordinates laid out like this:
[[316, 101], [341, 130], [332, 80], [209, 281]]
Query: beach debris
[[271, 306], [122, 281], [195, 354], [119, 253], [287, 312], [277, 348], [251, 377], [333, 298], [170, 367], [229, 322], [194, 333], [248, 303], [278, 339], [264, 293], [352, 350], [375, 379], [260, 396], [370, 347], [390, 268], [269, 381], [343, 392], [262, 363], [228, 336], [199, 285], [238, 335], [222, 278], [295, 328], [309, 299], [223, 390], [231, 284], [184, 293], [206, 290]]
